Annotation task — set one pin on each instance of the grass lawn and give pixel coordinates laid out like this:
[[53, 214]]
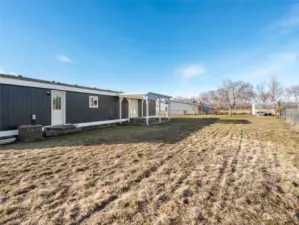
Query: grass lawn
[[193, 170]]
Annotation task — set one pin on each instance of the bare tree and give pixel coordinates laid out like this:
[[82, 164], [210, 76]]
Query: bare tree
[[211, 98], [232, 92], [247, 96], [180, 98], [261, 93], [207, 97], [293, 92], [204, 98], [186, 99], [275, 89]]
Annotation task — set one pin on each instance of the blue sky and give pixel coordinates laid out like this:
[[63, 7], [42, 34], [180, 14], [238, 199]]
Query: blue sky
[[173, 47]]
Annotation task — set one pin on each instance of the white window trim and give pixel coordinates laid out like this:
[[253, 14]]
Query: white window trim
[[94, 97]]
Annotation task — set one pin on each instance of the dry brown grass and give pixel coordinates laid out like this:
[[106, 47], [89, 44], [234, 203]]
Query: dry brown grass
[[194, 170]]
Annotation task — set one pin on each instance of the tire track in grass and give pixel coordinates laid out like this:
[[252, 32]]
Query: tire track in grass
[[213, 186], [280, 202], [194, 169], [184, 185], [204, 180], [262, 202], [228, 178], [107, 177], [212, 147], [146, 174], [113, 197], [190, 213], [174, 158]]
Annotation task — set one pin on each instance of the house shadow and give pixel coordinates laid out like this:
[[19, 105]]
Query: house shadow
[[234, 121], [170, 132]]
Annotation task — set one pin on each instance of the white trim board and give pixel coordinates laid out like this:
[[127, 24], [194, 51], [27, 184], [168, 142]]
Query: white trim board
[[8, 133], [182, 102], [99, 123], [150, 116], [16, 132], [25, 83]]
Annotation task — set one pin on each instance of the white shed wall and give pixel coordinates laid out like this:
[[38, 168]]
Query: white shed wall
[[164, 107], [181, 108], [178, 108]]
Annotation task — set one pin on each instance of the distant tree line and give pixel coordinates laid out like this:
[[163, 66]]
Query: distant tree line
[[239, 93]]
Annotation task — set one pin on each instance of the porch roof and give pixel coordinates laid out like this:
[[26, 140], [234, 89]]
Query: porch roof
[[149, 96]]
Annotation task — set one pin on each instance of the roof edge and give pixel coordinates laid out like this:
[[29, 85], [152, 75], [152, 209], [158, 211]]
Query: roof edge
[[19, 77]]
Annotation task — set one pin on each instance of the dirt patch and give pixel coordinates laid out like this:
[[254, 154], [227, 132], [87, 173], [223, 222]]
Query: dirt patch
[[194, 170]]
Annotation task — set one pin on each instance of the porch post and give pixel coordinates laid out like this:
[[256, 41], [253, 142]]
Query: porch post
[[142, 101], [159, 110], [147, 111], [129, 104], [120, 108], [169, 109]]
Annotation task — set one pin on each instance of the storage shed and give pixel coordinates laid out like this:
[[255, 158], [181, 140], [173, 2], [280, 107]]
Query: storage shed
[[183, 108]]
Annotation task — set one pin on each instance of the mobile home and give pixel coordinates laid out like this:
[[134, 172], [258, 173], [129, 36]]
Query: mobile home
[[32, 101]]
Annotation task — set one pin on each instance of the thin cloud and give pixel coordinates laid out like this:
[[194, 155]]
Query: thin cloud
[[3, 71], [274, 64], [64, 59], [192, 71], [287, 23]]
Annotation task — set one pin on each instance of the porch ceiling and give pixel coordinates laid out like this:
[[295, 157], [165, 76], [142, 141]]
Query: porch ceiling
[[149, 95]]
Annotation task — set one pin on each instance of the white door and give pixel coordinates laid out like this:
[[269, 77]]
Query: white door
[[58, 107], [134, 108]]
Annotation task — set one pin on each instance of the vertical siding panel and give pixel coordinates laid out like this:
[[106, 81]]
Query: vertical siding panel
[[41, 107], [8, 110], [1, 103], [78, 111], [20, 103]]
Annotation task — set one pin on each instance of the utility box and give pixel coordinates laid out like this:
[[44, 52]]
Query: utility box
[[30, 133]]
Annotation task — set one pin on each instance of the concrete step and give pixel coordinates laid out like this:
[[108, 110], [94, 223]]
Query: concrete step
[[50, 132], [60, 127]]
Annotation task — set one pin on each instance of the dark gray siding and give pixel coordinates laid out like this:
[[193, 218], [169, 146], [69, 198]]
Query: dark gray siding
[[17, 104], [125, 109], [1, 106], [78, 111], [152, 108]]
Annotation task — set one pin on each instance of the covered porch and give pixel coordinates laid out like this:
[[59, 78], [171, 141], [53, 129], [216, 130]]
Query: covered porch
[[142, 107]]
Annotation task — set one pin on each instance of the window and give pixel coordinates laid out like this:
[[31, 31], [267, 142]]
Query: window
[[166, 108], [57, 103], [93, 102]]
